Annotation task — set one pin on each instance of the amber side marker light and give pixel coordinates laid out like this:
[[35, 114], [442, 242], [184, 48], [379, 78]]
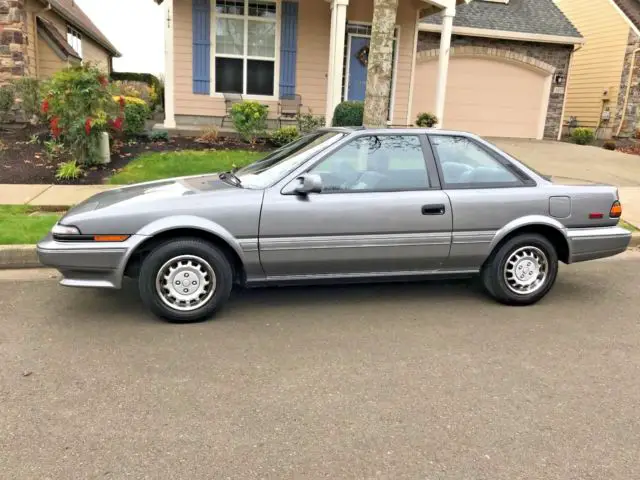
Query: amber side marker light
[[616, 210], [110, 238]]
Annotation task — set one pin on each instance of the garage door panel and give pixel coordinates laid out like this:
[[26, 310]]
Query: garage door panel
[[485, 96]]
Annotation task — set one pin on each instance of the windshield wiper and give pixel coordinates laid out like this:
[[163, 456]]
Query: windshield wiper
[[231, 178]]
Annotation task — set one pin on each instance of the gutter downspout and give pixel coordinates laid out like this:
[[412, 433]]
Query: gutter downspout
[[34, 19], [626, 96], [566, 89]]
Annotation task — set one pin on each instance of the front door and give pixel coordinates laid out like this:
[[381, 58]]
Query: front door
[[380, 211], [358, 57]]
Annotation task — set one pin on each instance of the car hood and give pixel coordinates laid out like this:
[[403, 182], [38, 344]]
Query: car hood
[[149, 192]]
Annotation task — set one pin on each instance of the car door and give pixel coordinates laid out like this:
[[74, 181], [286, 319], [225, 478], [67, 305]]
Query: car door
[[381, 210], [486, 192]]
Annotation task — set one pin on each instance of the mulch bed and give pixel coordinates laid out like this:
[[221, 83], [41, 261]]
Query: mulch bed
[[23, 161]]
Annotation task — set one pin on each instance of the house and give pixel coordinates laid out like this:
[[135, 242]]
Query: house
[[602, 94], [497, 67], [40, 37]]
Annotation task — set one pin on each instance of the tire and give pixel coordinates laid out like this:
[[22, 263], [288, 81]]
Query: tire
[[531, 257], [190, 265]]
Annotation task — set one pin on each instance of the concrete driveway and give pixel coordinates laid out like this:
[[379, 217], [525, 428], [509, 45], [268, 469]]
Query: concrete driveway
[[569, 163]]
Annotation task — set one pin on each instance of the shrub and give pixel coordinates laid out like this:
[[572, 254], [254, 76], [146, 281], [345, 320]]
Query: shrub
[[308, 123], [80, 108], [156, 88], [159, 136], [136, 113], [53, 149], [609, 145], [7, 100], [69, 171], [582, 136], [348, 114], [284, 135], [426, 120], [250, 119], [209, 135], [28, 91]]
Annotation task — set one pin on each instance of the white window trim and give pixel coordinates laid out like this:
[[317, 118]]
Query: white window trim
[[276, 59], [74, 32]]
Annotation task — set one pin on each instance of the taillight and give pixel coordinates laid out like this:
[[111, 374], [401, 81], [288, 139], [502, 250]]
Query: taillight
[[616, 210]]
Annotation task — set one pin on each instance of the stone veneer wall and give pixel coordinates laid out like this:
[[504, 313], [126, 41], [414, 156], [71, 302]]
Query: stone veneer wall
[[13, 40], [554, 55], [632, 115]]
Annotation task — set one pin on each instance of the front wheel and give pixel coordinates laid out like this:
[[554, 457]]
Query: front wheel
[[185, 280], [522, 270]]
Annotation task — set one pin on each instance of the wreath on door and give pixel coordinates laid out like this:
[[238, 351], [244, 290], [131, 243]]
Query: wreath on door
[[363, 55]]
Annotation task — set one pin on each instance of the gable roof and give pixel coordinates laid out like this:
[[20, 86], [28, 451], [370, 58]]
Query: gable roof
[[631, 8], [73, 14], [53, 35], [541, 17]]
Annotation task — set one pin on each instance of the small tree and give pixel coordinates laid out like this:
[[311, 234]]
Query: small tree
[[80, 107]]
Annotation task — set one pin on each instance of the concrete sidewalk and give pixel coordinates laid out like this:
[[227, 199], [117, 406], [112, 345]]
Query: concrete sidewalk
[[48, 195]]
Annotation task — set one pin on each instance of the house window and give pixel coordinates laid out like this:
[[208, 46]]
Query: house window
[[74, 38], [245, 46]]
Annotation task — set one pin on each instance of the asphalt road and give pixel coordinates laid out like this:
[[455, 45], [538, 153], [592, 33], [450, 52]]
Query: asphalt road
[[413, 381]]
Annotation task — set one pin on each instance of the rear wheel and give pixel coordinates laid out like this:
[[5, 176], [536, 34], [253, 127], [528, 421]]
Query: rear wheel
[[185, 280], [522, 270]]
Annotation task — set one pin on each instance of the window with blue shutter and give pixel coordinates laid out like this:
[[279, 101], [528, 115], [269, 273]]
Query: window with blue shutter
[[288, 48], [201, 46]]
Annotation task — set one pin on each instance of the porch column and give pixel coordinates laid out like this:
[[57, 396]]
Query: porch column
[[443, 62], [336, 56], [169, 81]]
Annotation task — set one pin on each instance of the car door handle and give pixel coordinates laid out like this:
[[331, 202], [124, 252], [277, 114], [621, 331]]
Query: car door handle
[[438, 209]]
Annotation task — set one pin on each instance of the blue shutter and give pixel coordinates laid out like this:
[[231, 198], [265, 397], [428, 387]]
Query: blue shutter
[[201, 46], [288, 48]]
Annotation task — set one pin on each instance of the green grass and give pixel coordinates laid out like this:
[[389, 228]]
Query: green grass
[[22, 225], [156, 166], [628, 226]]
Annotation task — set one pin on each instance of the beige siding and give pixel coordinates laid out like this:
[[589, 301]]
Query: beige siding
[[50, 62], [597, 66], [94, 53], [314, 21]]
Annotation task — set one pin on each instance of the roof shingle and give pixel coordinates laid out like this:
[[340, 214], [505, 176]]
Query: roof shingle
[[631, 8], [526, 16]]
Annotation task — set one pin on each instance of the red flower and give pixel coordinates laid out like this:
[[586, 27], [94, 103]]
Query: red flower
[[55, 128], [122, 102], [87, 126], [117, 124], [103, 80], [45, 106]]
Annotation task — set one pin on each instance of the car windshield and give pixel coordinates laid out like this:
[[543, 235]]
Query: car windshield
[[278, 163]]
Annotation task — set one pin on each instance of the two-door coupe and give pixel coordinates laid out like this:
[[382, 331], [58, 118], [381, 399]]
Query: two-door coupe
[[338, 205]]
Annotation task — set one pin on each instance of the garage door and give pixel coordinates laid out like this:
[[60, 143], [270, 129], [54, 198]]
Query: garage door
[[486, 97]]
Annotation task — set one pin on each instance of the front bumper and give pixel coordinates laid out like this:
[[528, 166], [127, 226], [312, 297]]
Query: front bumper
[[88, 264], [592, 243]]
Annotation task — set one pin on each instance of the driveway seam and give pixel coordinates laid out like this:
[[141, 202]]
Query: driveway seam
[[39, 195]]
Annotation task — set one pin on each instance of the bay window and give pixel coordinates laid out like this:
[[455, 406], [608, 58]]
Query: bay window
[[245, 46]]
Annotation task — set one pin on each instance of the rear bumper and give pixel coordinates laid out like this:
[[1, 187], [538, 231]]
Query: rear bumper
[[592, 243], [88, 264]]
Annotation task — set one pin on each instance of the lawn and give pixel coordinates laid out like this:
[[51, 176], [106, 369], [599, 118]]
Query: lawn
[[23, 225], [156, 166]]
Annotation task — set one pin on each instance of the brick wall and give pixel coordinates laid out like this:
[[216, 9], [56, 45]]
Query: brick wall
[[632, 115], [551, 54], [13, 40]]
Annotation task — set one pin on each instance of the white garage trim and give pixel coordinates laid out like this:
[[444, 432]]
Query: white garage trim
[[496, 53], [545, 107], [505, 34]]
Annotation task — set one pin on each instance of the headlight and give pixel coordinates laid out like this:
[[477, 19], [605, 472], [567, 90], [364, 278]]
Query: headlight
[[64, 230]]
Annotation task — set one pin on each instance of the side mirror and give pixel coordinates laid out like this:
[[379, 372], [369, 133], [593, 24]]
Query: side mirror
[[308, 183]]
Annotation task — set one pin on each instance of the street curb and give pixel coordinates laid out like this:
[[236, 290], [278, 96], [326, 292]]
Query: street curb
[[18, 256], [25, 256]]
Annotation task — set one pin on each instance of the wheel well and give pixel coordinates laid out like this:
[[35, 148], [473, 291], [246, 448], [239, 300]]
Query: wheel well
[[135, 261], [552, 234]]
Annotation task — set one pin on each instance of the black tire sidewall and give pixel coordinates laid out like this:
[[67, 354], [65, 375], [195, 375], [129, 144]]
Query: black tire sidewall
[[497, 284], [174, 248]]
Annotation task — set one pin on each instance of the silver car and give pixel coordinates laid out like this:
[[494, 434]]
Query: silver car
[[338, 205]]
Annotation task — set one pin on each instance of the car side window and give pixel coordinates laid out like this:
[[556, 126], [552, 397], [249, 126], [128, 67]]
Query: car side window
[[375, 163], [463, 163]]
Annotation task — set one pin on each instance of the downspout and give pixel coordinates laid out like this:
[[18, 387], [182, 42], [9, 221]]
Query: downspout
[[36, 51], [626, 95], [566, 88]]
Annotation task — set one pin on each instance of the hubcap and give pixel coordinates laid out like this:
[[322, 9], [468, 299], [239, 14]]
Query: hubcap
[[526, 270], [186, 283]]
